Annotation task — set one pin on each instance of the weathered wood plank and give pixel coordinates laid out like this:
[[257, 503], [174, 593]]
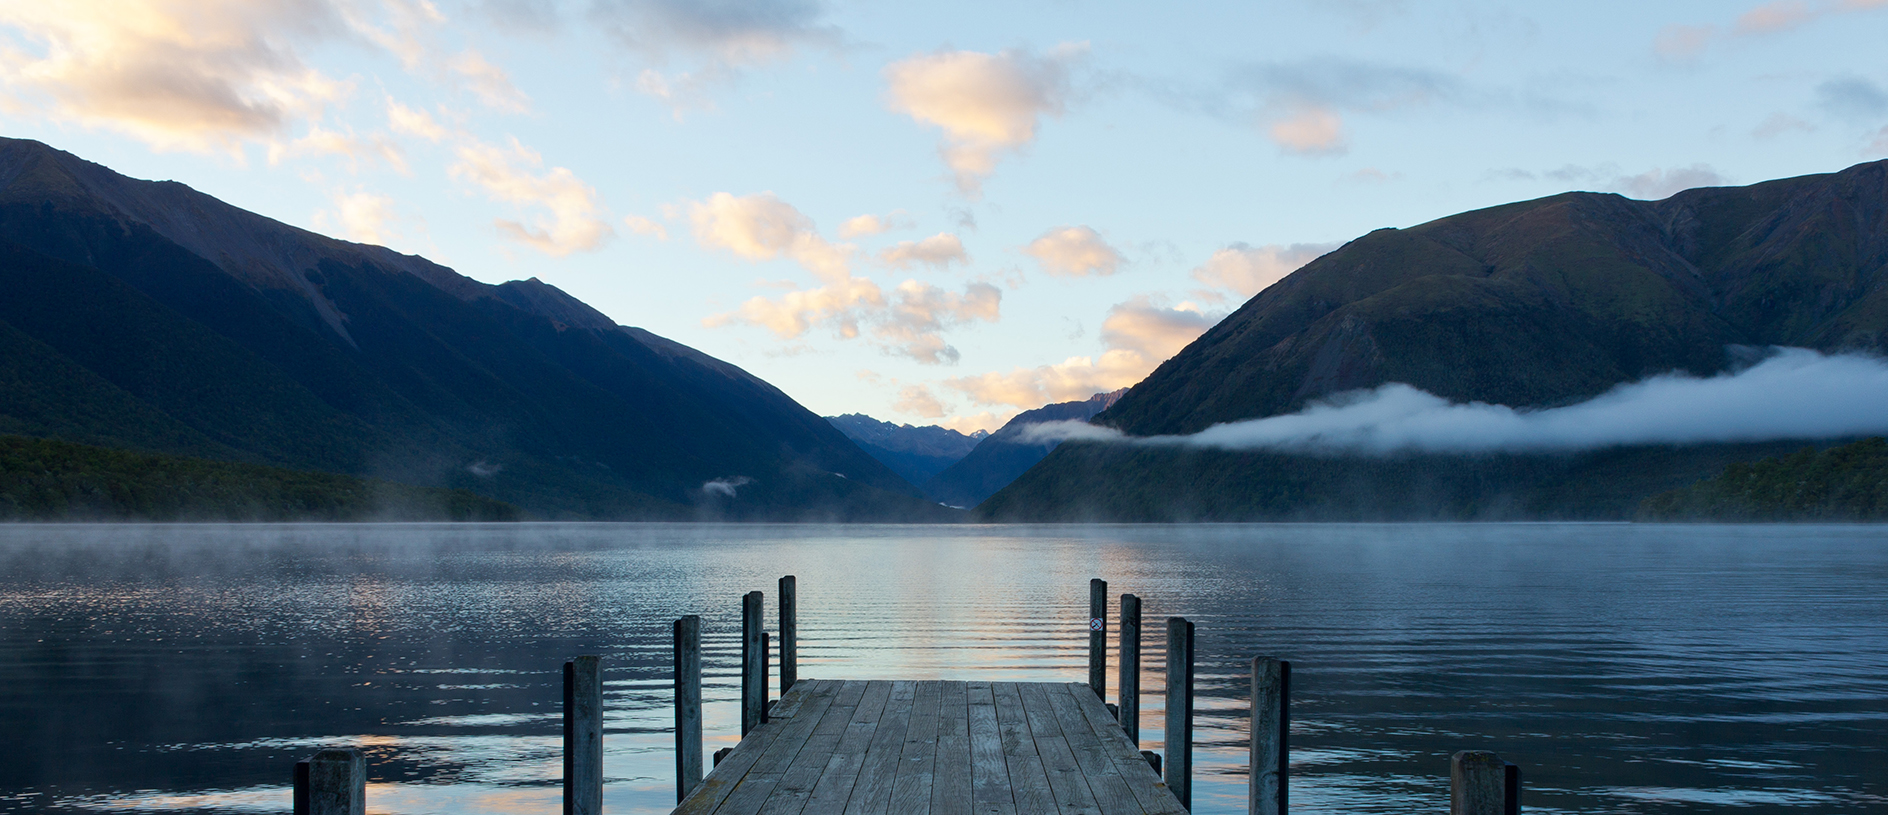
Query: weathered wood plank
[[833, 789], [1147, 788], [801, 778], [1014, 724], [1071, 790], [990, 793], [763, 779], [935, 748], [872, 793], [911, 792], [950, 785], [725, 777], [1104, 779]]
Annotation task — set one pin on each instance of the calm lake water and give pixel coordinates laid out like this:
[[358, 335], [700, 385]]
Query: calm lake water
[[1625, 668]]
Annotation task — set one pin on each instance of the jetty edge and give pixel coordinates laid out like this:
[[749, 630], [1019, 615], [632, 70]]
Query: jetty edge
[[929, 747]]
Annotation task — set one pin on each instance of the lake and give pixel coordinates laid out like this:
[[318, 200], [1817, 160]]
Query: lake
[[1625, 668]]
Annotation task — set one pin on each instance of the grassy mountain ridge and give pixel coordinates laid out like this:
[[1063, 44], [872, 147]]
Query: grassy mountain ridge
[[1544, 302], [249, 340], [1530, 304], [48, 479], [1844, 483]]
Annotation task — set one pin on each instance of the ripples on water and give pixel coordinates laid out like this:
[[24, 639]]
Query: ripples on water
[[1625, 668]]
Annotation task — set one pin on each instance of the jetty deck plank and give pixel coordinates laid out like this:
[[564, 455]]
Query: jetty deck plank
[[934, 748]]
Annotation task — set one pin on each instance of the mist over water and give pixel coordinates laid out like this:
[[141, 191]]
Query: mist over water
[[1794, 393], [1625, 667]]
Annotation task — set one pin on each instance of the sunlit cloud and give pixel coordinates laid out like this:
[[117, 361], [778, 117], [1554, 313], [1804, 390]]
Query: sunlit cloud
[[939, 250], [907, 321], [1682, 43], [1245, 270], [488, 82], [639, 225], [1140, 335], [864, 225], [917, 400], [195, 75], [364, 217], [411, 122], [1301, 105], [355, 150], [985, 104], [1075, 251], [572, 219]]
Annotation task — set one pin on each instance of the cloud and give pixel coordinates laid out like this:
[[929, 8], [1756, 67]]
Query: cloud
[[1245, 270], [1139, 335], [411, 122], [1795, 393], [729, 32], [356, 149], [408, 30], [363, 217], [985, 104], [716, 39], [728, 487], [863, 225], [908, 321], [196, 75], [939, 250], [1853, 99], [573, 221], [644, 226], [1682, 43], [1300, 104], [1075, 251], [761, 227], [919, 313], [1656, 183], [1662, 183], [1308, 129], [1781, 123], [917, 400], [488, 82]]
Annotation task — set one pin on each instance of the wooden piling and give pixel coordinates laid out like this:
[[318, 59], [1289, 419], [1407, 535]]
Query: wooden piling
[[582, 722], [331, 782], [1483, 784], [765, 676], [689, 743], [1267, 726], [751, 661], [787, 634], [1177, 743], [1128, 692], [1098, 638]]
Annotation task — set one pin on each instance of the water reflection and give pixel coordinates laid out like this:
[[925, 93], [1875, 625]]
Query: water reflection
[[1626, 668]]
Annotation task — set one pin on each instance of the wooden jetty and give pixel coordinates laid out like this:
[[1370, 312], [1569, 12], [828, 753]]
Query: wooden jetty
[[929, 747]]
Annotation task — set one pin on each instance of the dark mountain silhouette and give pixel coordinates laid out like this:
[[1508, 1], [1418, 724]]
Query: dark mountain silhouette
[[916, 453], [1531, 304], [147, 315], [1005, 455]]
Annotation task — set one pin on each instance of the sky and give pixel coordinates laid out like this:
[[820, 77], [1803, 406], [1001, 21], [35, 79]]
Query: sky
[[931, 213]]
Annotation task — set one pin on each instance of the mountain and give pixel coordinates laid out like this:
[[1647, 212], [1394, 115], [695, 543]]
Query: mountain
[[1845, 483], [916, 453], [1003, 456], [1532, 304], [147, 315]]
